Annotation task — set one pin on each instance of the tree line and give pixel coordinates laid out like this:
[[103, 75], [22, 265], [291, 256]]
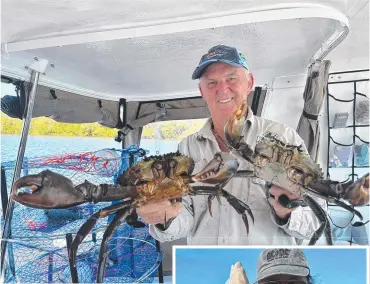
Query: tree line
[[43, 126]]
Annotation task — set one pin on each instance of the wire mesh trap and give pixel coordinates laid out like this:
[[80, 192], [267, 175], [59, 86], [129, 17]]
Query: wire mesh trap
[[132, 259], [37, 248]]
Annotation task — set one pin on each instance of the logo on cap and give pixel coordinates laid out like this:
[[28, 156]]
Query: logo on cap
[[278, 254], [211, 54]]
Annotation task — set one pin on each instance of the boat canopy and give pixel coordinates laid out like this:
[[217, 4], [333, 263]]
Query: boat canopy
[[128, 60]]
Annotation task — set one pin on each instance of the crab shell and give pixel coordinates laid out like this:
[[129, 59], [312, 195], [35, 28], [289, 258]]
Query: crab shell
[[287, 166], [284, 165], [160, 178]]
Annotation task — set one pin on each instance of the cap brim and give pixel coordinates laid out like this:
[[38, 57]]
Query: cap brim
[[200, 69], [295, 270]]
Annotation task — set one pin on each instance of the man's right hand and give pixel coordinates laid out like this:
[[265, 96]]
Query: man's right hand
[[155, 213]]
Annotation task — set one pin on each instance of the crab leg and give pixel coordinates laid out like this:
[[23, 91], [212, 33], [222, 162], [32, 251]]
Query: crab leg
[[217, 191], [219, 171], [334, 200], [209, 202], [120, 216], [349, 208], [87, 227], [240, 207], [321, 215], [132, 220]]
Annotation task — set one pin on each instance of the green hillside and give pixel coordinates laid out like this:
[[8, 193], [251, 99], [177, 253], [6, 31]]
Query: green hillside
[[44, 126]]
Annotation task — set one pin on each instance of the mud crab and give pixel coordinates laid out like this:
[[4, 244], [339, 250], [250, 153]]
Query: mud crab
[[156, 178], [290, 167]]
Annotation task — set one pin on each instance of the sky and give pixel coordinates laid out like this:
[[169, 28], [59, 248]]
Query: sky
[[212, 266], [7, 89]]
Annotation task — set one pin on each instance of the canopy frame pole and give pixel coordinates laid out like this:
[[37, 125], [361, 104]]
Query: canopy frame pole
[[37, 67]]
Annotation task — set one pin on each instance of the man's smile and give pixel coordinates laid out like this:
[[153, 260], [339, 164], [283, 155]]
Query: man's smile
[[225, 100]]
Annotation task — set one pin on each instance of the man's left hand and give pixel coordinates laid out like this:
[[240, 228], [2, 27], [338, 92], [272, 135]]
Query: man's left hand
[[281, 211]]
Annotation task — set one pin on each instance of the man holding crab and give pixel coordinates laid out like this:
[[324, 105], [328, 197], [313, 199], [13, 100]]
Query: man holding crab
[[224, 83]]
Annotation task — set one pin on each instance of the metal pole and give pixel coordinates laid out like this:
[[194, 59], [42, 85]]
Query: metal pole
[[18, 166], [4, 199], [160, 267]]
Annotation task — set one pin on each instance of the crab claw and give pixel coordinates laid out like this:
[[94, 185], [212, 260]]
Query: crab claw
[[358, 193], [49, 191], [218, 171], [234, 126]]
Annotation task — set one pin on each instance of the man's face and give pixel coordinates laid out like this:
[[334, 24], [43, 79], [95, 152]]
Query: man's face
[[224, 87], [283, 279]]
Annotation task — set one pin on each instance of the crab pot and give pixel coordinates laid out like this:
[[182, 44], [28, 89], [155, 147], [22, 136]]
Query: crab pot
[[103, 166], [37, 247], [43, 262]]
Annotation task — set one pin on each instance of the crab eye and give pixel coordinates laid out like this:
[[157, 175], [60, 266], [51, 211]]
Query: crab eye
[[295, 174], [172, 163], [263, 156], [298, 171], [263, 160], [308, 179], [157, 166]]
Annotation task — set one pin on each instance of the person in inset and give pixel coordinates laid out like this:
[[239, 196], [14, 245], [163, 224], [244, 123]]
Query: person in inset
[[224, 83], [275, 266]]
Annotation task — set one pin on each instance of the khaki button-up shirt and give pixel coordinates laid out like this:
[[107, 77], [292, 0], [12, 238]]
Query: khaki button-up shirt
[[226, 227]]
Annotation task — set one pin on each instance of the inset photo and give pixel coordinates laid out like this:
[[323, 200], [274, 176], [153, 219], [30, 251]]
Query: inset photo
[[289, 265]]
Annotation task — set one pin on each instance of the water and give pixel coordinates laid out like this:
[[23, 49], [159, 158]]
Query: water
[[52, 145]]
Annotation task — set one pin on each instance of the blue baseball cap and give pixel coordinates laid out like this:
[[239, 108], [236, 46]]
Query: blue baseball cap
[[220, 53]]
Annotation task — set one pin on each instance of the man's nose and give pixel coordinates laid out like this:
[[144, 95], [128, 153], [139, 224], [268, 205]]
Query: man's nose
[[223, 87]]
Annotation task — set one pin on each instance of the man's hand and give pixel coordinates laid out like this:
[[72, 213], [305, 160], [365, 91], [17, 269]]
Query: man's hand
[[155, 213], [281, 211]]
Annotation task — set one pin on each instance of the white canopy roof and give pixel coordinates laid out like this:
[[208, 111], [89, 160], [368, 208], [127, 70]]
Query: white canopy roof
[[147, 50]]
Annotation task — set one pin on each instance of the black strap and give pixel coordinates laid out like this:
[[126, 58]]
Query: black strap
[[256, 99], [22, 99], [52, 94], [310, 116], [122, 120]]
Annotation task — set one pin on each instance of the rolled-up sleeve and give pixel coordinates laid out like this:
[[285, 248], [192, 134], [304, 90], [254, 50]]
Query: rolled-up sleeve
[[302, 223]]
